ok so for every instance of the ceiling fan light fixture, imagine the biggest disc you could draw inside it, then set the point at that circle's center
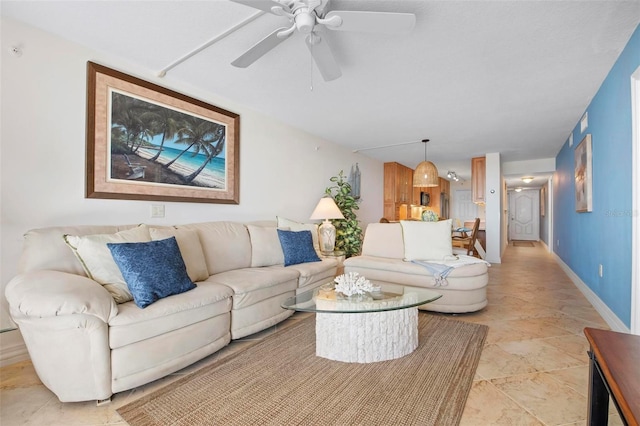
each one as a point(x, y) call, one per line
point(305, 15)
point(426, 173)
point(305, 22)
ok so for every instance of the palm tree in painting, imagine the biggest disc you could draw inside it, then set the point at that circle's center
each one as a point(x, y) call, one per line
point(127, 119)
point(212, 148)
point(145, 131)
point(204, 137)
point(165, 121)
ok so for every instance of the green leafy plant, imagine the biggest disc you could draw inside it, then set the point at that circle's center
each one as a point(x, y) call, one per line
point(348, 230)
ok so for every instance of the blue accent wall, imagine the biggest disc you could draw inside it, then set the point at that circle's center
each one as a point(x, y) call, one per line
point(586, 240)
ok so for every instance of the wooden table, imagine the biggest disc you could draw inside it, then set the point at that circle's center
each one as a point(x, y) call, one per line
point(614, 370)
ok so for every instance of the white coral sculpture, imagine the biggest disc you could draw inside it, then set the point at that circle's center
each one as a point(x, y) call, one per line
point(352, 283)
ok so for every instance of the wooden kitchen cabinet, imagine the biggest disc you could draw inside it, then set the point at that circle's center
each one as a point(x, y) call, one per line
point(400, 195)
point(398, 191)
point(478, 179)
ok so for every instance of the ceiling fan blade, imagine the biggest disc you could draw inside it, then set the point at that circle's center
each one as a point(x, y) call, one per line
point(259, 49)
point(264, 5)
point(373, 22)
point(323, 57)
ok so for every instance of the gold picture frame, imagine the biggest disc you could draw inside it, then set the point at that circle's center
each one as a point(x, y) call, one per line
point(146, 142)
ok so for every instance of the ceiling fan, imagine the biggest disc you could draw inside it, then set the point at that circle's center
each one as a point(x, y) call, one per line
point(306, 16)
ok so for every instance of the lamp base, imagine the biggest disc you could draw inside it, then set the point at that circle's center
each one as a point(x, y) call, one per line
point(327, 237)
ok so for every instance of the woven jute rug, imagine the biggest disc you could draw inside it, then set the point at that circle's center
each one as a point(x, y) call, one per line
point(280, 381)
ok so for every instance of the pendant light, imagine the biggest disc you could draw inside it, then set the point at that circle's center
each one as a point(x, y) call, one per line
point(426, 174)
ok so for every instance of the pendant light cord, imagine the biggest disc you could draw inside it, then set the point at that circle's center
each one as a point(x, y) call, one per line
point(425, 141)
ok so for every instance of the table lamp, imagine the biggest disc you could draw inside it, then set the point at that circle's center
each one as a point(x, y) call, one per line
point(325, 210)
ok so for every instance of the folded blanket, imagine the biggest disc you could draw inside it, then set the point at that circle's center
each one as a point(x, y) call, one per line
point(442, 269)
point(438, 270)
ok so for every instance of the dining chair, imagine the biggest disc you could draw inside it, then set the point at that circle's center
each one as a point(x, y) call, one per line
point(466, 245)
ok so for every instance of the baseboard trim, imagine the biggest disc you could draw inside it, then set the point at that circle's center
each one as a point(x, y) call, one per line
point(12, 352)
point(546, 247)
point(607, 314)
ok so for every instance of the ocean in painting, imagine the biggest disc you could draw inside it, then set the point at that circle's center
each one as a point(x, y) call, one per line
point(212, 176)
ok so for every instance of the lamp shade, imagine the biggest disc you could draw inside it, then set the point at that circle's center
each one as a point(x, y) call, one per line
point(426, 174)
point(326, 209)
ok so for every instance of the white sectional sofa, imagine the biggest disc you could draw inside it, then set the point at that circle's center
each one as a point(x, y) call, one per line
point(383, 262)
point(84, 345)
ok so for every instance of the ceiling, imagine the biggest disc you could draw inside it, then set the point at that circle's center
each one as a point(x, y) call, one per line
point(474, 77)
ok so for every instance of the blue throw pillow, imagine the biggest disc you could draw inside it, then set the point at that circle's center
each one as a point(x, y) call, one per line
point(152, 270)
point(297, 247)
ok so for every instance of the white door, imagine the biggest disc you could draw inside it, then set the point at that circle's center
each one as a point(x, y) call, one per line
point(524, 213)
point(464, 208)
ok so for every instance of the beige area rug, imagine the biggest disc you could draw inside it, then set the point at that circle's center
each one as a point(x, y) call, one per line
point(517, 243)
point(280, 381)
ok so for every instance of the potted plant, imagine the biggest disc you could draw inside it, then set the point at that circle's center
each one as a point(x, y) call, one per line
point(348, 230)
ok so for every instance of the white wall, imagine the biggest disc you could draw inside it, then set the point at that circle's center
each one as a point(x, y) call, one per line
point(541, 165)
point(493, 206)
point(283, 171)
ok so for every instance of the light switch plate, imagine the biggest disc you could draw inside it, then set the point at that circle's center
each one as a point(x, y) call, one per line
point(157, 210)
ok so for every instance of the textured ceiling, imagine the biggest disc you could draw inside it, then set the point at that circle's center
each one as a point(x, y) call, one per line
point(512, 77)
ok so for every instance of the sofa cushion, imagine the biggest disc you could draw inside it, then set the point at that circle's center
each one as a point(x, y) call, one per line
point(383, 240)
point(265, 246)
point(427, 240)
point(253, 285)
point(152, 270)
point(190, 249)
point(386, 270)
point(292, 225)
point(313, 272)
point(133, 324)
point(297, 247)
point(45, 248)
point(226, 245)
point(97, 261)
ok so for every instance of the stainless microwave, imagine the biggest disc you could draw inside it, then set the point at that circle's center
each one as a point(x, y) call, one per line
point(425, 198)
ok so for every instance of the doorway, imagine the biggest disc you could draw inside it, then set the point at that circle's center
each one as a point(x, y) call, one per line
point(463, 207)
point(524, 215)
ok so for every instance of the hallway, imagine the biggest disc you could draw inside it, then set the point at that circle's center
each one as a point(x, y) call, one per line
point(534, 367)
point(533, 370)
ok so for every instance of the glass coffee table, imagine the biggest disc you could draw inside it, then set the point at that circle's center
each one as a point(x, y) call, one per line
point(362, 329)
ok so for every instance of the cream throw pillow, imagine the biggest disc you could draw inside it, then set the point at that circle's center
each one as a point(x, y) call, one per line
point(190, 249)
point(265, 246)
point(291, 225)
point(96, 259)
point(427, 240)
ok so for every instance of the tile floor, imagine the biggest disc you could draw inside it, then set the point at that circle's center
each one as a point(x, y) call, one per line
point(533, 370)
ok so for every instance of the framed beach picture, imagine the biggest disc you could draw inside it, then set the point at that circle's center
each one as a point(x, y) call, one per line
point(583, 175)
point(146, 142)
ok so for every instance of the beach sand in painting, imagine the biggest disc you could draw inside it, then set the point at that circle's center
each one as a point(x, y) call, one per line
point(155, 173)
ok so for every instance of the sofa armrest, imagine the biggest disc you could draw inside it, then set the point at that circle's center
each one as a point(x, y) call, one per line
point(47, 293)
